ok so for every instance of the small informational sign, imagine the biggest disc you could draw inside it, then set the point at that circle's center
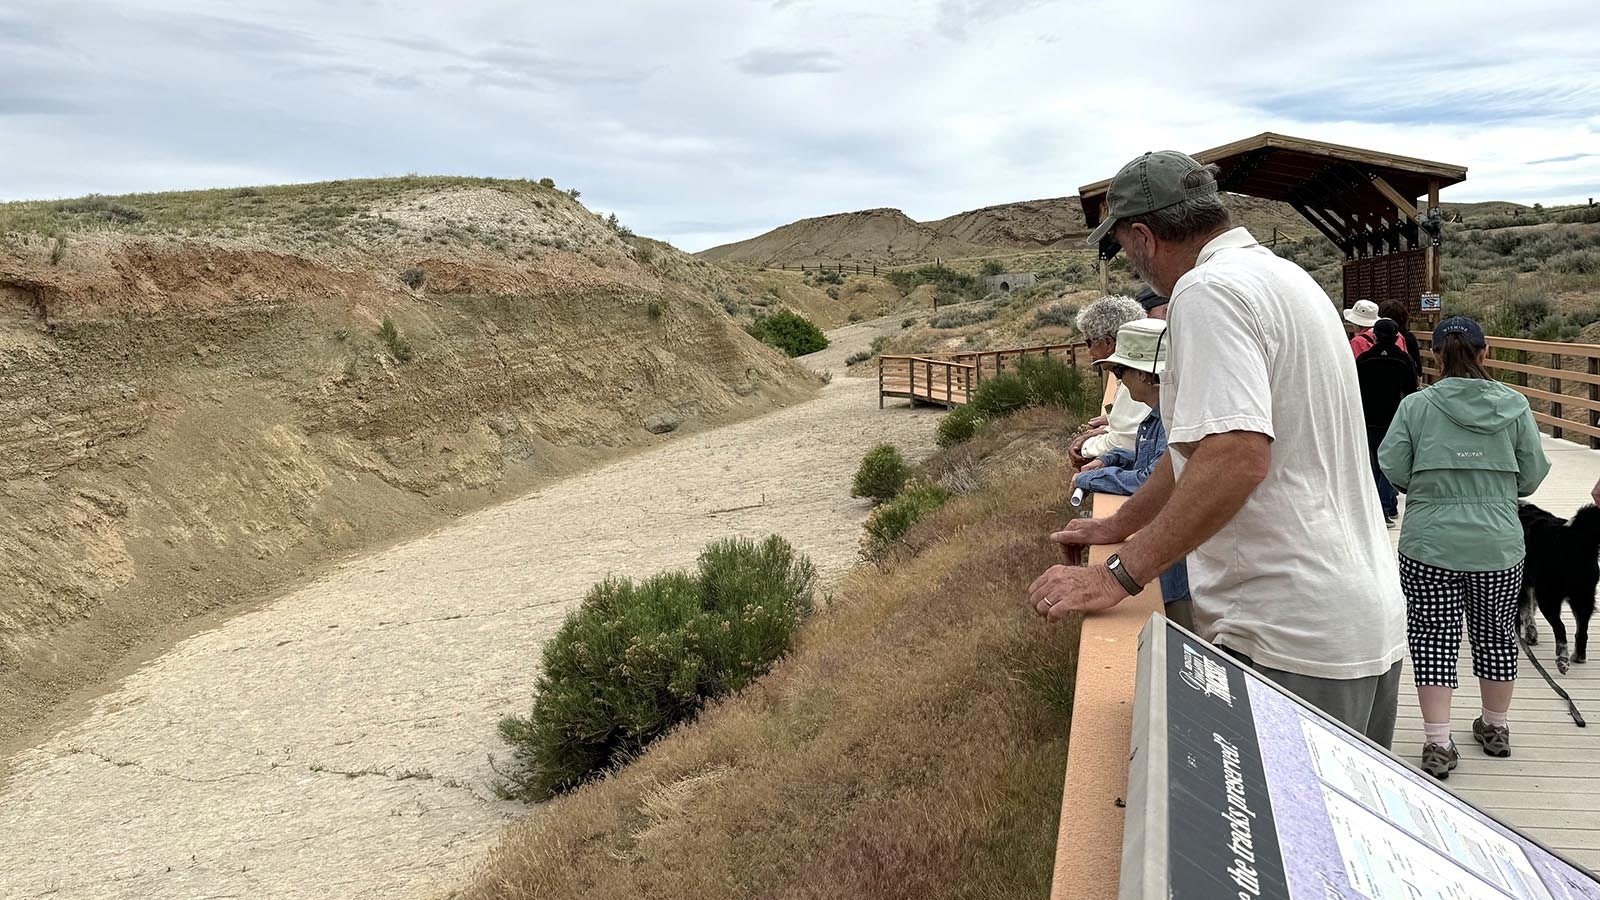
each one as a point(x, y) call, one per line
point(1430, 303)
point(1238, 791)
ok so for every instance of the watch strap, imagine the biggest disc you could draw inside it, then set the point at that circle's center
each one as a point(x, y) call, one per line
point(1120, 572)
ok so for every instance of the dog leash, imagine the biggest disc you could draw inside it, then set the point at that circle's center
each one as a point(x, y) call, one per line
point(1572, 708)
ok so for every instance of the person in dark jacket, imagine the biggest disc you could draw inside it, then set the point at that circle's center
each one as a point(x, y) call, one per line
point(1394, 309)
point(1137, 364)
point(1463, 451)
point(1387, 377)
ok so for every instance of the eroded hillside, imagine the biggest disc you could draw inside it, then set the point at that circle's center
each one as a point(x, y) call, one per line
point(204, 396)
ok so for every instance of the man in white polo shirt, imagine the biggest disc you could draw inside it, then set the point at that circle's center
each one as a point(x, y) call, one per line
point(1266, 486)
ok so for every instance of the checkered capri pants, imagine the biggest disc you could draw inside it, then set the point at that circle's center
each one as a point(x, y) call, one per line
point(1435, 601)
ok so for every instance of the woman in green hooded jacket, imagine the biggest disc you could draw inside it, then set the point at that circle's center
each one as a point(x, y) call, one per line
point(1462, 452)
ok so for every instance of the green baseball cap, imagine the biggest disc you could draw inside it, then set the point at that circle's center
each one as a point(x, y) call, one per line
point(1153, 181)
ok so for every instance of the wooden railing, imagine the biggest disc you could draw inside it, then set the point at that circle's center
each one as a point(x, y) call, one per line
point(1565, 395)
point(1089, 838)
point(950, 379)
point(926, 379)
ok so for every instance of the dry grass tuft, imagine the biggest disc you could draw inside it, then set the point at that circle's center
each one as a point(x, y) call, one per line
point(910, 747)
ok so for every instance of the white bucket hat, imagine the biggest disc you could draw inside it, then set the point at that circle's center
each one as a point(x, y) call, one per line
point(1364, 313)
point(1139, 346)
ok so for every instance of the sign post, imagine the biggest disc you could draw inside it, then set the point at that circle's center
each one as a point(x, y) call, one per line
point(1237, 790)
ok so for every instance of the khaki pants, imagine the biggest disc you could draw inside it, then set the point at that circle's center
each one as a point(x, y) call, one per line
point(1368, 705)
point(1181, 612)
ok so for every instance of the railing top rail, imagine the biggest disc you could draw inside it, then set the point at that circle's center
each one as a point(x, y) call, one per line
point(950, 363)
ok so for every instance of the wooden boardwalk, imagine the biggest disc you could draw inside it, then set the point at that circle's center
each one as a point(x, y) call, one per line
point(949, 380)
point(1550, 785)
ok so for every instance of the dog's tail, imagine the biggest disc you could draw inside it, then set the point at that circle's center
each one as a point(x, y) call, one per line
point(1586, 523)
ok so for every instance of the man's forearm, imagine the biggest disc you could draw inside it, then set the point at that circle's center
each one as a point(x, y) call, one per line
point(1141, 508)
point(1217, 481)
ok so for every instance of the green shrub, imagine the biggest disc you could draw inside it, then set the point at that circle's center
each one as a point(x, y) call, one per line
point(413, 278)
point(963, 316)
point(398, 346)
point(1589, 214)
point(958, 426)
point(1576, 262)
point(855, 317)
point(1037, 381)
point(992, 267)
point(58, 251)
point(100, 207)
point(1058, 314)
point(654, 310)
point(890, 522)
point(883, 472)
point(636, 659)
point(879, 343)
point(547, 182)
point(948, 282)
point(858, 357)
point(794, 334)
point(907, 323)
point(822, 277)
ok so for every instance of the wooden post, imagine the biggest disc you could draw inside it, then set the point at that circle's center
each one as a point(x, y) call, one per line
point(1555, 388)
point(911, 370)
point(947, 394)
point(1435, 251)
point(1522, 377)
point(880, 382)
point(1594, 395)
point(928, 371)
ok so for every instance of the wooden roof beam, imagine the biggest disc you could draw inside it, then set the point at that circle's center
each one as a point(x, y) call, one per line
point(1406, 207)
point(1327, 231)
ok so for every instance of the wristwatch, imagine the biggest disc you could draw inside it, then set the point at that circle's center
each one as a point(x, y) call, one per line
point(1120, 572)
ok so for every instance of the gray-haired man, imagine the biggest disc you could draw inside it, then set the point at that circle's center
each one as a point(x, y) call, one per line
point(1266, 485)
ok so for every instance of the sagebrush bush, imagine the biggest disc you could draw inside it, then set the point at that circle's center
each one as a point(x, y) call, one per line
point(957, 427)
point(881, 475)
point(948, 282)
point(790, 332)
point(1058, 314)
point(637, 658)
point(413, 278)
point(859, 356)
point(992, 267)
point(963, 316)
point(1037, 381)
point(398, 346)
point(907, 323)
point(890, 522)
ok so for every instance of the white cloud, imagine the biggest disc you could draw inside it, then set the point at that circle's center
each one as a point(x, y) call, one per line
point(707, 122)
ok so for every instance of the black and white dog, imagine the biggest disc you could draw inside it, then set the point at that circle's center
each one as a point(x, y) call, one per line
point(1563, 564)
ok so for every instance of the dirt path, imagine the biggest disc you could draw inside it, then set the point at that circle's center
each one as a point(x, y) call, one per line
point(333, 743)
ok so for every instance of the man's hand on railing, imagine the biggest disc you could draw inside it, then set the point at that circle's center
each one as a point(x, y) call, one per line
point(1063, 590)
point(1080, 533)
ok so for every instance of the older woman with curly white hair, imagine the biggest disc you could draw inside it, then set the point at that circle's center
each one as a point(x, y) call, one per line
point(1118, 429)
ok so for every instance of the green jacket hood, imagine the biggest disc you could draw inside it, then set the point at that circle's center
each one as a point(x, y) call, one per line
point(1484, 407)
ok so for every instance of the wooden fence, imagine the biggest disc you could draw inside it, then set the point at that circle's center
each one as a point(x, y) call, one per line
point(841, 268)
point(1565, 394)
point(951, 379)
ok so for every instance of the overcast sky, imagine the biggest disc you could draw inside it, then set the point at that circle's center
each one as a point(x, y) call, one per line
point(705, 121)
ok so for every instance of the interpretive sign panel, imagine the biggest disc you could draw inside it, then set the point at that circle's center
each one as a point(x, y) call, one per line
point(1239, 791)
